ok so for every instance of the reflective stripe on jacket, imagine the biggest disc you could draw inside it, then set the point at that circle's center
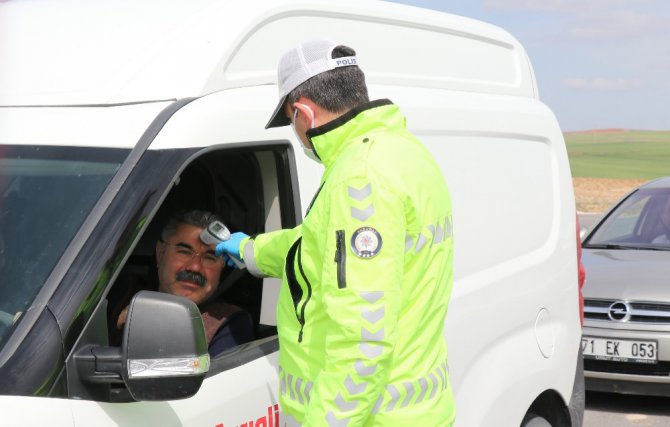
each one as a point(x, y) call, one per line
point(366, 280)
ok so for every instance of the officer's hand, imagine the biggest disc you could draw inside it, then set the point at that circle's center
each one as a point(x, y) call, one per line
point(231, 249)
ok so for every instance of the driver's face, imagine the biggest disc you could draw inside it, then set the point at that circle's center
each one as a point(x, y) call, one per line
point(181, 268)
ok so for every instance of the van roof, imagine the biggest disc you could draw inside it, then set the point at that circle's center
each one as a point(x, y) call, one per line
point(79, 52)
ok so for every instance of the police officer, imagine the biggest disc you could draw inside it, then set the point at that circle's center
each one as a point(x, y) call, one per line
point(367, 276)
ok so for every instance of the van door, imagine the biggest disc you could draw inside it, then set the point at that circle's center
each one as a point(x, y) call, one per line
point(241, 387)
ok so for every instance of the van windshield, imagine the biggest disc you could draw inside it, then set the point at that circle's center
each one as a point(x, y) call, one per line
point(45, 195)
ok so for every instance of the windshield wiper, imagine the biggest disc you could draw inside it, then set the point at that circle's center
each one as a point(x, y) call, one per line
point(633, 247)
point(654, 248)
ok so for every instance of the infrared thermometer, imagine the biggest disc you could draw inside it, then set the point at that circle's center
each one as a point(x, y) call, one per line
point(216, 233)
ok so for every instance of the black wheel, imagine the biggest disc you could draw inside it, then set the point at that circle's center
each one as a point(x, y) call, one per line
point(532, 420)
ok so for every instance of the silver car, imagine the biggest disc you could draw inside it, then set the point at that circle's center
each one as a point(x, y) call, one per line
point(626, 337)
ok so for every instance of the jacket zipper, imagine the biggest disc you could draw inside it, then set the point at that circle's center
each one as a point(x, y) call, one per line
point(340, 259)
point(301, 318)
point(294, 287)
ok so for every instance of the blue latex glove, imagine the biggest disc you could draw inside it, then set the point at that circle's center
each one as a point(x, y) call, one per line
point(230, 249)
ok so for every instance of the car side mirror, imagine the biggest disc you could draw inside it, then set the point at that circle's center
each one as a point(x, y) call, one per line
point(163, 355)
point(165, 347)
point(583, 231)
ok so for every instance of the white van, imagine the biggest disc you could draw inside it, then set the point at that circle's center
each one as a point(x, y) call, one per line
point(113, 114)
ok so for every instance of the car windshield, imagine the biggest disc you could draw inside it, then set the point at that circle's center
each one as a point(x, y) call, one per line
point(45, 195)
point(642, 221)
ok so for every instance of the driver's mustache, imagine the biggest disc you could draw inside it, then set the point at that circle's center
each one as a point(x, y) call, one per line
point(191, 276)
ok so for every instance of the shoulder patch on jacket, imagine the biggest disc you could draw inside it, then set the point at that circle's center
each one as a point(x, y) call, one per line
point(366, 242)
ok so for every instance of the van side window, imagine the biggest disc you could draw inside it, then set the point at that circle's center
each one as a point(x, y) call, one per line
point(250, 190)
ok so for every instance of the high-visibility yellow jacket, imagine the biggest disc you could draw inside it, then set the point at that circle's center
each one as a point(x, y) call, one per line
point(366, 281)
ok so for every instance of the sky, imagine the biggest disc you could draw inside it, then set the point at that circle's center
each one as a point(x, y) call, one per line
point(599, 64)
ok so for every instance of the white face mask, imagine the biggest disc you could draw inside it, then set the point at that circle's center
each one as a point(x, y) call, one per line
point(309, 152)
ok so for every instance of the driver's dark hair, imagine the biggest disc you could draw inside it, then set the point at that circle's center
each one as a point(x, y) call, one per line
point(193, 217)
point(337, 90)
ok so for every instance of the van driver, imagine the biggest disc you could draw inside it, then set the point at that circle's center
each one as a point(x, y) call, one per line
point(189, 268)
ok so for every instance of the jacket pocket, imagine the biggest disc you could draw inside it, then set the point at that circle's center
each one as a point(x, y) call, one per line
point(298, 291)
point(293, 285)
point(341, 259)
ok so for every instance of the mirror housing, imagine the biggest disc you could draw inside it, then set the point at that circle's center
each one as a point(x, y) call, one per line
point(163, 355)
point(583, 231)
point(164, 347)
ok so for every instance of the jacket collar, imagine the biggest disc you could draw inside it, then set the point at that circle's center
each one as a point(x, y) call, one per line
point(331, 138)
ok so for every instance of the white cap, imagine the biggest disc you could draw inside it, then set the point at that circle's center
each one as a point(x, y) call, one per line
point(300, 64)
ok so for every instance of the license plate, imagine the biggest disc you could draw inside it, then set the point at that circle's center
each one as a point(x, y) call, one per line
point(619, 350)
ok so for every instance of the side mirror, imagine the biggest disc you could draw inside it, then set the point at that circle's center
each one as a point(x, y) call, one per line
point(164, 351)
point(583, 231)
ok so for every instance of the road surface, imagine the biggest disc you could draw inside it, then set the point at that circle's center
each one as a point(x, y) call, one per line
point(612, 410)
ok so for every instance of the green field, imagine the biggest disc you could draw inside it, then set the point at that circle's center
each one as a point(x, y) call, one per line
point(620, 154)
